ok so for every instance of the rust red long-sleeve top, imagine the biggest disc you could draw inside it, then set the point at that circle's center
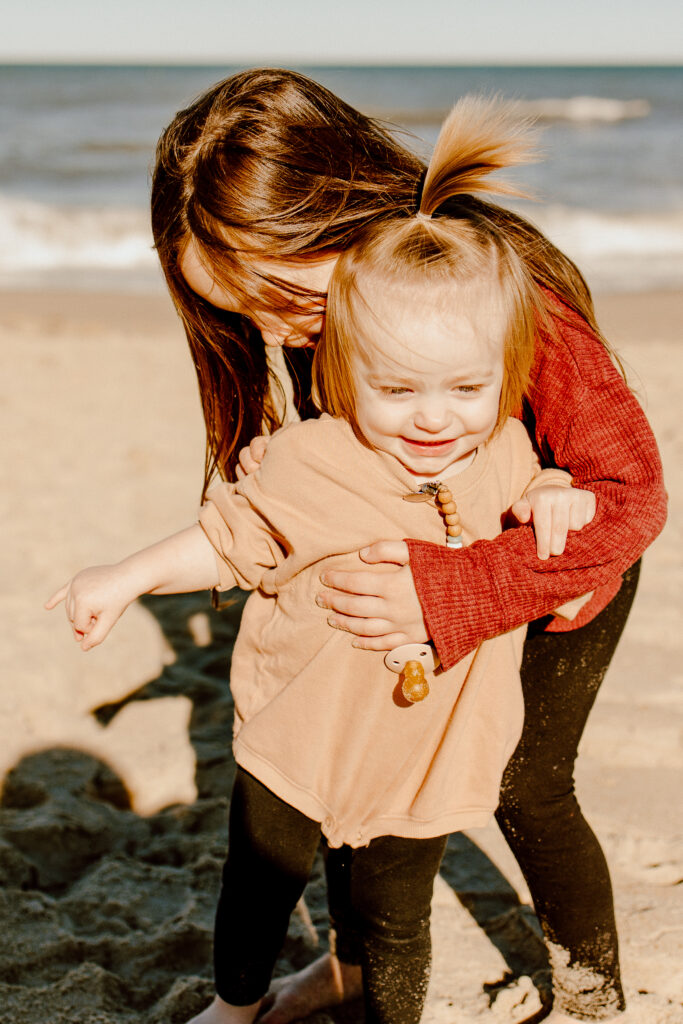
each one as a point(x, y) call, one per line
point(585, 420)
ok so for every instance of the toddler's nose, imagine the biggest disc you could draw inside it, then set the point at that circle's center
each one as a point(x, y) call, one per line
point(432, 417)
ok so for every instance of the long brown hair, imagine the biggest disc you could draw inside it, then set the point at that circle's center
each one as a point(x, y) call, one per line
point(270, 163)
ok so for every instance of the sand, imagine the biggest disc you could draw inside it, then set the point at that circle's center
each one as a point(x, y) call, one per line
point(116, 764)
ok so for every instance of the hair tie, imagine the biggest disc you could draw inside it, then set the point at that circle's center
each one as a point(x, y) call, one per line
point(419, 190)
point(425, 217)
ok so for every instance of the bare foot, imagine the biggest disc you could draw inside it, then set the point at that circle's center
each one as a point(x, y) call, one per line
point(325, 982)
point(220, 1012)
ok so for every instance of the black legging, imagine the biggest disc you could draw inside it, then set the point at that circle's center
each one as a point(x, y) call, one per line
point(540, 817)
point(271, 852)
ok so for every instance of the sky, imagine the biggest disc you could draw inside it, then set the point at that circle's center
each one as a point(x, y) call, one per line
point(343, 31)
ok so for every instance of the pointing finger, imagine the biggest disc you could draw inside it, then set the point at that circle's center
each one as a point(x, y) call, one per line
point(57, 597)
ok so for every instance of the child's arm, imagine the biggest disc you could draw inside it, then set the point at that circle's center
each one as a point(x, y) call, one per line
point(555, 507)
point(97, 597)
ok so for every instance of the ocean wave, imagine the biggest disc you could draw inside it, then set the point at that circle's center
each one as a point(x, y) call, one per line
point(605, 234)
point(586, 109)
point(573, 109)
point(42, 237)
point(618, 252)
point(42, 243)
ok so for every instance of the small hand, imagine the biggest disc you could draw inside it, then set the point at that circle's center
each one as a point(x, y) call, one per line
point(94, 600)
point(251, 457)
point(382, 608)
point(555, 511)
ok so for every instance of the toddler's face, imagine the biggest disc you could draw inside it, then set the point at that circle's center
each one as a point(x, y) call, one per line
point(428, 380)
point(294, 330)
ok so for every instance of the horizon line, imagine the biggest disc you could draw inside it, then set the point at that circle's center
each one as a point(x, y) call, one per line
point(262, 61)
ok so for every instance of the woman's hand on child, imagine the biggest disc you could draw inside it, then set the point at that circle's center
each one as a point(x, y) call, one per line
point(382, 608)
point(94, 600)
point(251, 457)
point(555, 510)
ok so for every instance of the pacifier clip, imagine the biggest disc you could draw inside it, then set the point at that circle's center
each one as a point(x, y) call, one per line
point(446, 506)
point(413, 659)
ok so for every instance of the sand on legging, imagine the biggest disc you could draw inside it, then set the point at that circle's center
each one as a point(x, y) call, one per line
point(117, 765)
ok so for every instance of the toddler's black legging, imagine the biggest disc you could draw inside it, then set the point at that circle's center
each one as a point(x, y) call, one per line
point(539, 815)
point(270, 855)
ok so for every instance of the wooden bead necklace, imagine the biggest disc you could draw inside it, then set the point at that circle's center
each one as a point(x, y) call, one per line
point(447, 507)
point(415, 686)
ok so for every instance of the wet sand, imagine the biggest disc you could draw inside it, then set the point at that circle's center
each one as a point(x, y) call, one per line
point(116, 764)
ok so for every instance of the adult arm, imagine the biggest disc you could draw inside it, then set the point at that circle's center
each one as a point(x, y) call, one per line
point(588, 422)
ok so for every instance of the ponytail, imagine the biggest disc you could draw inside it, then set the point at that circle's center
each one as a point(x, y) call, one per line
point(478, 137)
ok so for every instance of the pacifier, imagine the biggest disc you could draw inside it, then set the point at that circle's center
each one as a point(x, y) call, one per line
point(413, 661)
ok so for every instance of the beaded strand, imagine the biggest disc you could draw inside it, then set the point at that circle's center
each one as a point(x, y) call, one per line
point(449, 510)
point(445, 504)
point(415, 686)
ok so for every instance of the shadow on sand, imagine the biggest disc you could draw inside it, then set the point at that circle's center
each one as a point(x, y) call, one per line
point(107, 915)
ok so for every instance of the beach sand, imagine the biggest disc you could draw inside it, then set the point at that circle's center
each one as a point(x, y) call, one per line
point(116, 764)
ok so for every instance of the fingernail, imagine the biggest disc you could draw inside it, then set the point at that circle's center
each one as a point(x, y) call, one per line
point(323, 580)
point(320, 603)
point(332, 621)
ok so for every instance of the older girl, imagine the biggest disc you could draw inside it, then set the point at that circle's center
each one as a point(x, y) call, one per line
point(259, 186)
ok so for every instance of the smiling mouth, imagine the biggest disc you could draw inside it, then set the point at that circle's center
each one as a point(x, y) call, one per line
point(429, 445)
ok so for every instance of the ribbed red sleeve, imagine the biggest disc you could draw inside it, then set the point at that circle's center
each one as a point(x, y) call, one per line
point(586, 421)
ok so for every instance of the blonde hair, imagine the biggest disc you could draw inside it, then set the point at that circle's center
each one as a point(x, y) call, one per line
point(440, 254)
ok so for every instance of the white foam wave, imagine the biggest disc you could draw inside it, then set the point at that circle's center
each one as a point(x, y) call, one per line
point(83, 247)
point(39, 239)
point(574, 109)
point(586, 109)
point(617, 251)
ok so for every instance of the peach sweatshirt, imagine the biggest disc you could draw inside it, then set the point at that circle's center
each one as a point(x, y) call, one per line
point(323, 724)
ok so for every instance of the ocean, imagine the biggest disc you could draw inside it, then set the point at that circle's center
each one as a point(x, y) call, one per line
point(77, 144)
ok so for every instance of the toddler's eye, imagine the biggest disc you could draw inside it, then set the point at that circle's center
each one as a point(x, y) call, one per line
point(395, 391)
point(468, 389)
